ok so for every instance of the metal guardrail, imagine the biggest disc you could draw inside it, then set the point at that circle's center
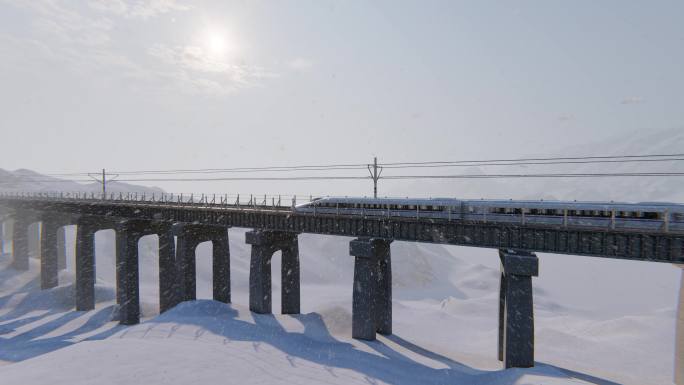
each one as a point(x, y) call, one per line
point(218, 200)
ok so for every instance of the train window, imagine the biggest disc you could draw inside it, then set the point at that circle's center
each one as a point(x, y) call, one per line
point(652, 215)
point(678, 217)
point(424, 208)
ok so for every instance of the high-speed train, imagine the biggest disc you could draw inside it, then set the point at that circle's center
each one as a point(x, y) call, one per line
point(650, 215)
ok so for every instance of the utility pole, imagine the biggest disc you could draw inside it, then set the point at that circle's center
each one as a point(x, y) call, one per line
point(102, 181)
point(375, 175)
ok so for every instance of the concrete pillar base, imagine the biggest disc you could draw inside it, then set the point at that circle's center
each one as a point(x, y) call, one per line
point(516, 313)
point(372, 294)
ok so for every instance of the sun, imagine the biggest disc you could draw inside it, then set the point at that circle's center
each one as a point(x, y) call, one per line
point(216, 42)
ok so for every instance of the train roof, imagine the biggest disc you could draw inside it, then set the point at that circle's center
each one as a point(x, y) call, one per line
point(394, 200)
point(579, 205)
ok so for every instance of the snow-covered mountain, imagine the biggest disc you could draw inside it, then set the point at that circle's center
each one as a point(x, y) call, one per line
point(23, 180)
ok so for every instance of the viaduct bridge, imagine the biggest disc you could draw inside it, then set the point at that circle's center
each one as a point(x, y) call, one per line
point(182, 225)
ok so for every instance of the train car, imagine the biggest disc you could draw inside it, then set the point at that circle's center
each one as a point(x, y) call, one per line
point(652, 216)
point(614, 215)
point(401, 207)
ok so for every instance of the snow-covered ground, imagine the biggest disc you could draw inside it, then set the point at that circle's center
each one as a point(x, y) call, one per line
point(597, 321)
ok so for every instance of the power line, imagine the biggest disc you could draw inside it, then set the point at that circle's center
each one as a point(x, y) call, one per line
point(617, 157)
point(393, 177)
point(400, 165)
point(535, 163)
point(558, 175)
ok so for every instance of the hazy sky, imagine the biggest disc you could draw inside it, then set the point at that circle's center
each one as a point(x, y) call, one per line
point(173, 84)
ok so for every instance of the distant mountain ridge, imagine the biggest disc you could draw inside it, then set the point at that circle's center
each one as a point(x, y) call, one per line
point(23, 180)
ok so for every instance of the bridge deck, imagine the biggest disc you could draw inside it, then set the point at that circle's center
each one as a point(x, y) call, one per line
point(645, 245)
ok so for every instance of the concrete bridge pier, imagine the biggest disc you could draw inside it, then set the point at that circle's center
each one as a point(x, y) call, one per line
point(85, 259)
point(516, 315)
point(264, 244)
point(20, 239)
point(85, 266)
point(128, 234)
point(679, 333)
point(49, 267)
point(372, 294)
point(191, 235)
point(51, 224)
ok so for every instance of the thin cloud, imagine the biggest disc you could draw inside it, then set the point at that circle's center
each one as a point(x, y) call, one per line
point(64, 34)
point(192, 65)
point(138, 9)
point(632, 100)
point(300, 64)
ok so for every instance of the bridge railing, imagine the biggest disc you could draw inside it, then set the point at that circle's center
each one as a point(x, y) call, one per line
point(198, 199)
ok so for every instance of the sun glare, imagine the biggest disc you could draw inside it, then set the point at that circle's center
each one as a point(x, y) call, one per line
point(216, 42)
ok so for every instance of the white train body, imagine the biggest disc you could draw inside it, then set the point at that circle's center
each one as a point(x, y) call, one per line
point(666, 217)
